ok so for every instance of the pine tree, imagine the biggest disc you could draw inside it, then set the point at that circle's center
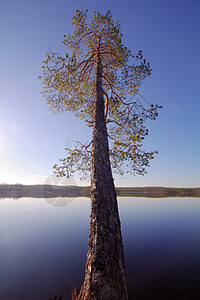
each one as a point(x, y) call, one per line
point(97, 80)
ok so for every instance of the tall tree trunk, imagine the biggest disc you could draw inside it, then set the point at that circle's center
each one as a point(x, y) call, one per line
point(105, 269)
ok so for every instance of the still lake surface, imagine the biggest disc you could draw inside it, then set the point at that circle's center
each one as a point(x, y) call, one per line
point(43, 247)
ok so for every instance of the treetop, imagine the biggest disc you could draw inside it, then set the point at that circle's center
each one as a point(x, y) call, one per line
point(69, 84)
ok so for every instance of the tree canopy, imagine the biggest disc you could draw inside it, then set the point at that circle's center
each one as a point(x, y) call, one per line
point(69, 85)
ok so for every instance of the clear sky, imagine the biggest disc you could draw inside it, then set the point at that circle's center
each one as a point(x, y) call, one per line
point(32, 139)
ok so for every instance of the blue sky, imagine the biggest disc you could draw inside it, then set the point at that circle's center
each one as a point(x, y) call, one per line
point(32, 139)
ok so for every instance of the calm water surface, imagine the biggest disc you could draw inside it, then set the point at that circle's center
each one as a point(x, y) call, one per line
point(43, 248)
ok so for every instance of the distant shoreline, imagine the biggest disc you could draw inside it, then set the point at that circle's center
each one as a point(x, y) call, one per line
point(51, 191)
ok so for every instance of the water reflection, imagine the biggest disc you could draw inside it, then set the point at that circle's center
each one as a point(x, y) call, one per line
point(43, 248)
point(162, 247)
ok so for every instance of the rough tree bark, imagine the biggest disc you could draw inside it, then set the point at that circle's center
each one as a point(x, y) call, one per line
point(105, 268)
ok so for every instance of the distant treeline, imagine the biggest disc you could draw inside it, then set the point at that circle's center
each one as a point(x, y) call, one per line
point(49, 191)
point(159, 192)
point(39, 191)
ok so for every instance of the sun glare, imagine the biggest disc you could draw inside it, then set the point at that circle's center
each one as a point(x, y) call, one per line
point(2, 143)
point(15, 177)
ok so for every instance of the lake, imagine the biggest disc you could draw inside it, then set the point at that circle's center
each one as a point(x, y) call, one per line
point(43, 247)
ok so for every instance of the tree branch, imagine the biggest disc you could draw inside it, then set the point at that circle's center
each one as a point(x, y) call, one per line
point(124, 66)
point(106, 104)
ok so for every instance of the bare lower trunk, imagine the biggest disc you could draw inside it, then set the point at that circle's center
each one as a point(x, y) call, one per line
point(105, 269)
